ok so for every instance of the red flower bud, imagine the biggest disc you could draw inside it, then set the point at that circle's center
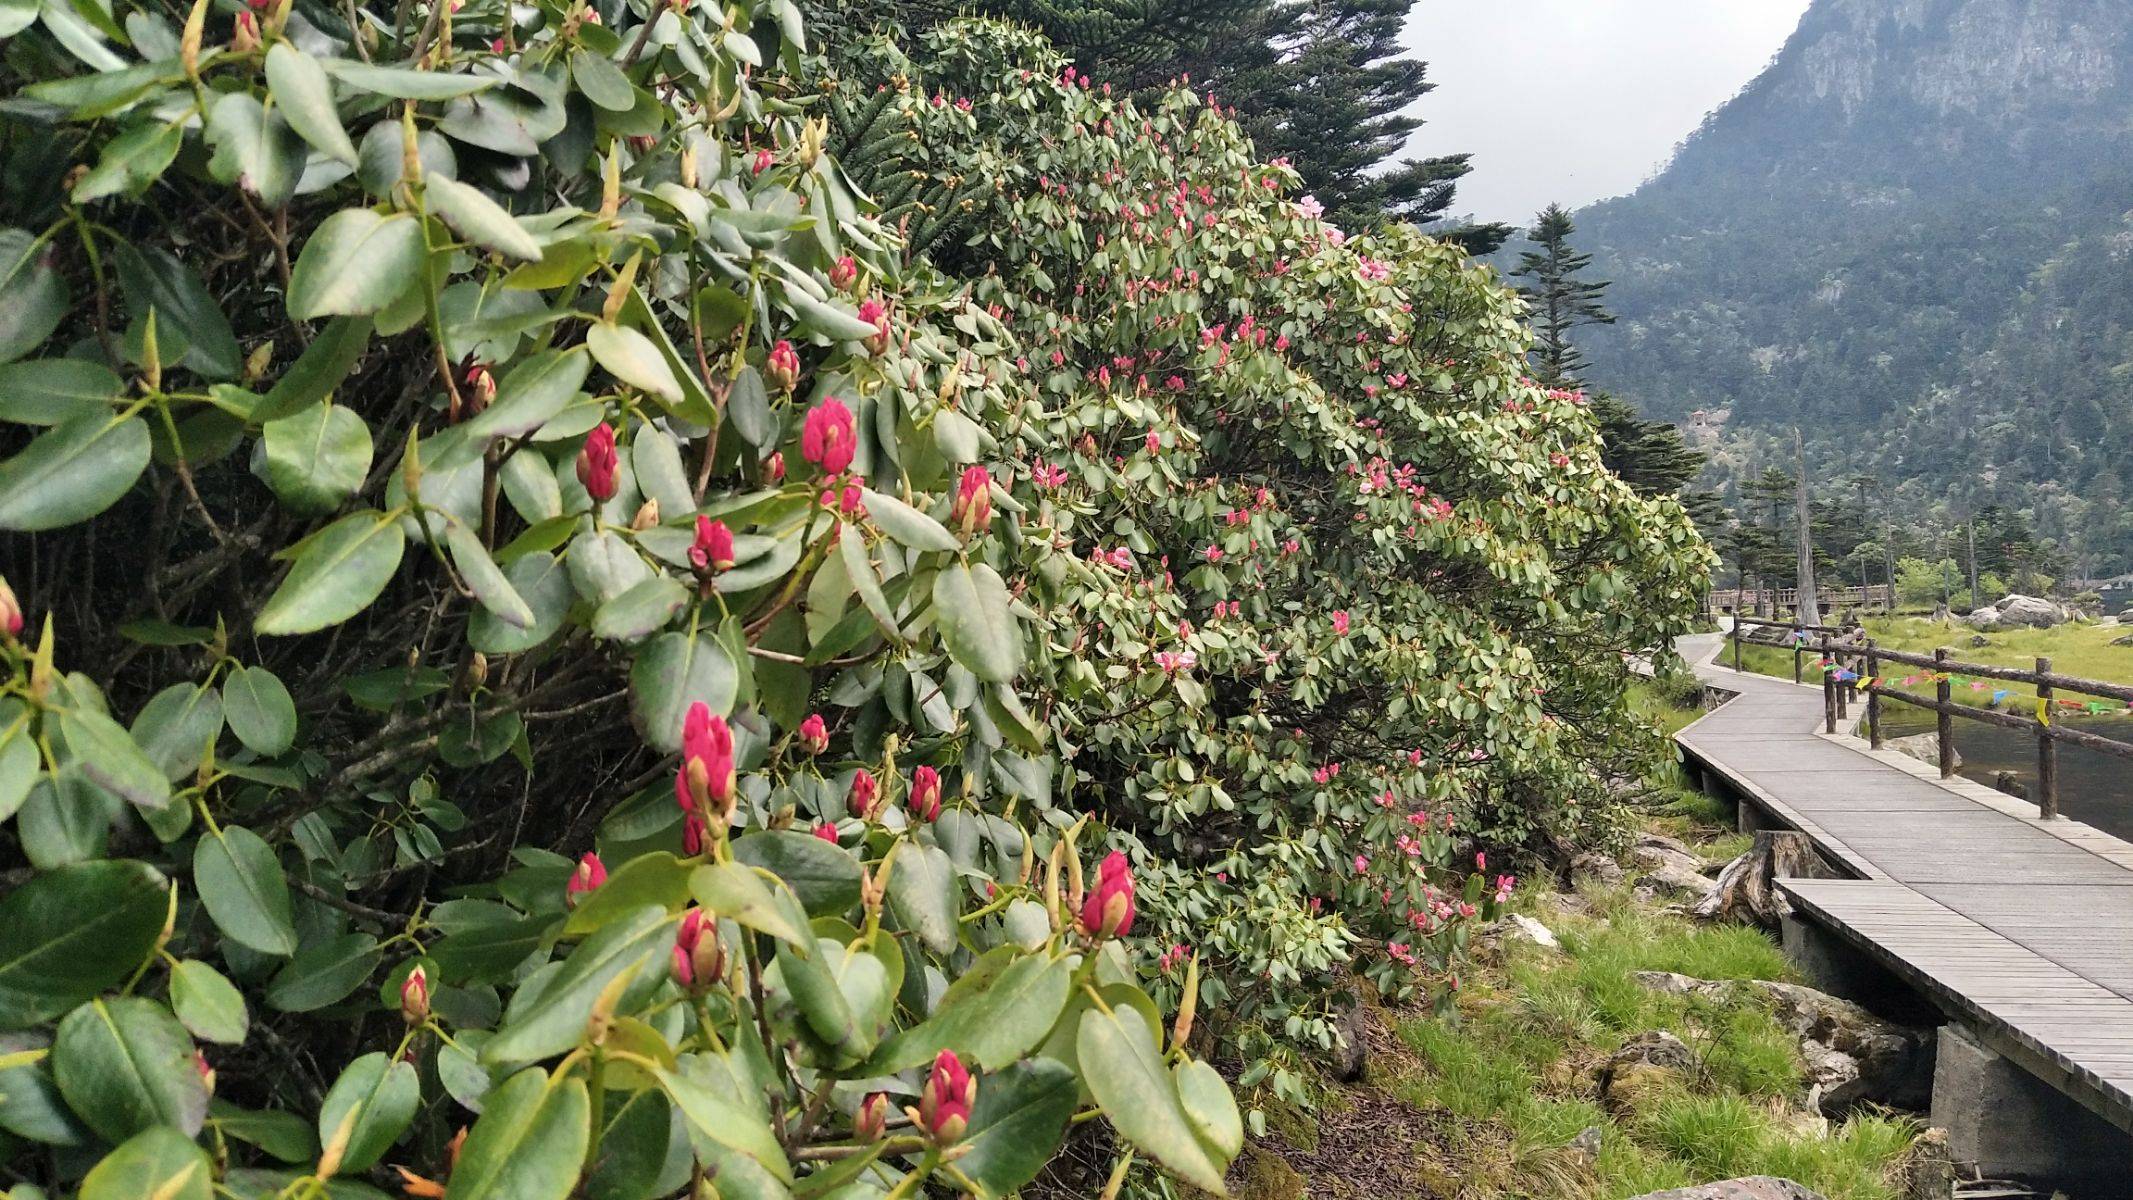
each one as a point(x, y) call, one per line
point(10, 612)
point(763, 161)
point(872, 1119)
point(1108, 910)
point(783, 366)
point(699, 957)
point(415, 997)
point(774, 467)
point(814, 735)
point(827, 438)
point(827, 832)
point(207, 1073)
point(481, 386)
point(704, 783)
point(874, 313)
point(591, 873)
point(713, 549)
point(863, 795)
point(944, 1104)
point(925, 802)
point(973, 502)
point(596, 463)
point(844, 273)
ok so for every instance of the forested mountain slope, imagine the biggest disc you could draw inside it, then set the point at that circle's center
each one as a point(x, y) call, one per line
point(1909, 234)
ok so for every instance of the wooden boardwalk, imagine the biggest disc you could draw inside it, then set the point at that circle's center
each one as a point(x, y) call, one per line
point(2018, 927)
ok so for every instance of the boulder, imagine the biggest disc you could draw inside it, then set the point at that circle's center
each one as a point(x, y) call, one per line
point(1665, 866)
point(1351, 1056)
point(1852, 1056)
point(1925, 747)
point(1647, 1065)
point(1749, 1187)
point(2019, 612)
point(1602, 869)
point(1518, 927)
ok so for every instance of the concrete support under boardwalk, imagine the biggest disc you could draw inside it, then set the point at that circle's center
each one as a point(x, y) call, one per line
point(2013, 1125)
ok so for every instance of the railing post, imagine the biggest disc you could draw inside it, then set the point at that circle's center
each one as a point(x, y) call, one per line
point(1873, 702)
point(1829, 691)
point(2047, 746)
point(1799, 646)
point(1844, 691)
point(1945, 727)
point(1736, 639)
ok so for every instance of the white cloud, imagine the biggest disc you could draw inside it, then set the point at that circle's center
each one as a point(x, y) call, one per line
point(1576, 100)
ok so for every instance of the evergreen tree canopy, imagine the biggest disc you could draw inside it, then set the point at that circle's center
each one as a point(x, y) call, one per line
point(1561, 301)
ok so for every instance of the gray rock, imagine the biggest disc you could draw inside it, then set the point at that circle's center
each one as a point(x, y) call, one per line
point(1589, 1140)
point(1925, 747)
point(1750, 1187)
point(2019, 612)
point(1603, 870)
point(1351, 1058)
point(1520, 927)
point(1656, 1048)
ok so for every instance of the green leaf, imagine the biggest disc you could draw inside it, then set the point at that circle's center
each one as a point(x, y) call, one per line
point(859, 567)
point(970, 606)
point(337, 573)
point(553, 1020)
point(255, 149)
point(70, 932)
point(1211, 1108)
point(284, 1135)
point(957, 437)
point(47, 391)
point(241, 882)
point(402, 83)
point(106, 753)
point(302, 91)
point(632, 358)
point(125, 1065)
point(176, 727)
point(828, 317)
point(367, 1110)
point(541, 580)
point(724, 1123)
point(155, 279)
point(20, 761)
point(158, 1163)
point(842, 993)
point(72, 471)
point(207, 1003)
point(16, 16)
point(33, 294)
point(1017, 1124)
point(317, 458)
point(479, 219)
point(130, 162)
point(908, 525)
point(602, 81)
point(748, 408)
point(641, 611)
point(756, 899)
point(673, 671)
point(487, 580)
point(355, 264)
point(530, 394)
point(529, 1143)
point(922, 895)
point(657, 880)
point(318, 370)
point(660, 474)
point(1123, 1068)
point(323, 973)
point(824, 877)
point(991, 1026)
point(259, 710)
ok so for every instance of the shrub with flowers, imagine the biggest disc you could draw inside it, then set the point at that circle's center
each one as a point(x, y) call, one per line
point(509, 684)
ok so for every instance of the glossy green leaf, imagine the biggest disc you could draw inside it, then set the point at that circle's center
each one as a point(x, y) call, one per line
point(72, 471)
point(367, 1109)
point(554, 1020)
point(542, 582)
point(757, 900)
point(106, 753)
point(68, 933)
point(336, 574)
point(323, 973)
point(47, 391)
point(158, 1163)
point(20, 760)
point(175, 729)
point(632, 358)
point(318, 370)
point(1211, 1108)
point(922, 894)
point(284, 1135)
point(1123, 1068)
point(529, 1143)
point(260, 712)
point(402, 83)
point(661, 476)
point(673, 671)
point(1017, 1124)
point(255, 148)
point(657, 880)
point(725, 1122)
point(131, 162)
point(491, 587)
point(641, 611)
point(355, 264)
point(125, 1065)
point(823, 876)
point(317, 458)
point(990, 1026)
point(241, 882)
point(480, 220)
point(908, 525)
point(33, 294)
point(304, 94)
point(970, 606)
point(207, 1003)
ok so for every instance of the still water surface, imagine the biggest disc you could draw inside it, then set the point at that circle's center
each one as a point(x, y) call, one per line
point(2093, 788)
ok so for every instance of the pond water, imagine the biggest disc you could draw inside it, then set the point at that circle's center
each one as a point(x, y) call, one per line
point(2093, 788)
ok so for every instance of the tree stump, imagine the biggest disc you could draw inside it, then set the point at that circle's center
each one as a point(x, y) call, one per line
point(1747, 890)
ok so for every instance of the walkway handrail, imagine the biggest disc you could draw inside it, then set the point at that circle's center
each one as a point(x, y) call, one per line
point(1839, 680)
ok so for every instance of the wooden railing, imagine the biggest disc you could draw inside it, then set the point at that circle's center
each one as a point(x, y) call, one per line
point(1875, 595)
point(1855, 661)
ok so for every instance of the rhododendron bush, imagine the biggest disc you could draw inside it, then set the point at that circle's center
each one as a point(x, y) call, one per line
point(630, 609)
point(509, 687)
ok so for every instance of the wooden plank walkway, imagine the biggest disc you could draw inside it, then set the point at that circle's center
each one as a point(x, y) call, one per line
point(2021, 927)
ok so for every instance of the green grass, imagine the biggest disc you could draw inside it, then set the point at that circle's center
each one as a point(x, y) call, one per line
point(1653, 703)
point(2078, 648)
point(1535, 1025)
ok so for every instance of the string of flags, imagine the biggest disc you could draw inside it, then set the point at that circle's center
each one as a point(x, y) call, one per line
point(2093, 708)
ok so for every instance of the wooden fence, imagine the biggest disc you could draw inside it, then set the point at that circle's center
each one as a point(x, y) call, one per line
point(1855, 664)
point(1771, 600)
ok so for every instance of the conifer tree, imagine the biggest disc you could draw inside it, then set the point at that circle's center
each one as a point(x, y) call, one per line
point(1561, 301)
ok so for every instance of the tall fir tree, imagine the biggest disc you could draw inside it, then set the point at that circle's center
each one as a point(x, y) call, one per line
point(1561, 301)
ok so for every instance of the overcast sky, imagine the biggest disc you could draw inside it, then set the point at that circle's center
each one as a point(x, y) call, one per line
point(1576, 100)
